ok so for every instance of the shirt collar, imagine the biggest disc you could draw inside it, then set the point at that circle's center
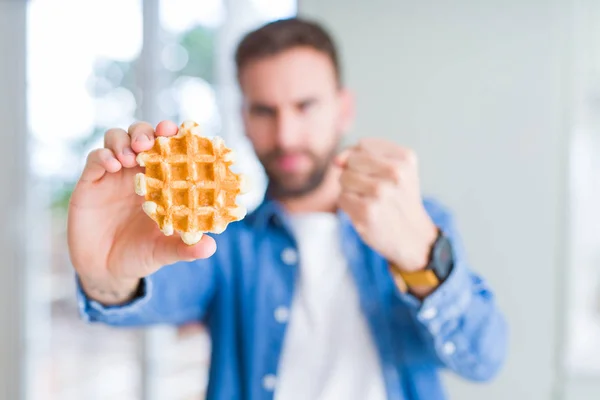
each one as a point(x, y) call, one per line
point(270, 210)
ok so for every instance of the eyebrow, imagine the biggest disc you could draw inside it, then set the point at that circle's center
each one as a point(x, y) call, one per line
point(258, 106)
point(255, 107)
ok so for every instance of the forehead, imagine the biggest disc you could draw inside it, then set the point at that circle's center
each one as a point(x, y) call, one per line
point(289, 76)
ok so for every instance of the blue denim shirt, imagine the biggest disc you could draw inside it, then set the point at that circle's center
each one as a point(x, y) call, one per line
point(236, 292)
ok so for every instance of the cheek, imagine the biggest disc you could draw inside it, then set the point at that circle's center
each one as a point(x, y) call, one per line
point(322, 134)
point(260, 133)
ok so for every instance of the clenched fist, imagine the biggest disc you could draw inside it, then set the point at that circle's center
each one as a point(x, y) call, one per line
point(381, 194)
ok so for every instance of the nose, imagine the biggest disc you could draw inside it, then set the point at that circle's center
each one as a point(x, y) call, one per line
point(288, 130)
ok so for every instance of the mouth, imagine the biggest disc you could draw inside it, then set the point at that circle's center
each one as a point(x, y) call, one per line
point(292, 162)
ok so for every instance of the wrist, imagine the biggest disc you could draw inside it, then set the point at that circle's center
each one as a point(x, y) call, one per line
point(108, 290)
point(420, 255)
point(422, 282)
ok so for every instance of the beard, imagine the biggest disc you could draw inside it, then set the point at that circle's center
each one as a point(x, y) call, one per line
point(284, 185)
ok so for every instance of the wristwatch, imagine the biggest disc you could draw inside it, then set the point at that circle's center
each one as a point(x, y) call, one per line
point(439, 267)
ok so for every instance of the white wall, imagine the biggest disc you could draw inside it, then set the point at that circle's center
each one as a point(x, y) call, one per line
point(481, 89)
point(12, 197)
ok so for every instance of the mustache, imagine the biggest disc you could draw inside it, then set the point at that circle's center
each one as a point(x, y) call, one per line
point(278, 152)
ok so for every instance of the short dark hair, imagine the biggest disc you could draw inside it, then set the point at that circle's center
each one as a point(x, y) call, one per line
point(285, 34)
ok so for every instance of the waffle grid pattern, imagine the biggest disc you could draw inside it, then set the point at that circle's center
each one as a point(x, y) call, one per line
point(188, 186)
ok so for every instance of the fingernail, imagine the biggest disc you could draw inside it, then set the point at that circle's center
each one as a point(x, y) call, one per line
point(128, 152)
point(142, 139)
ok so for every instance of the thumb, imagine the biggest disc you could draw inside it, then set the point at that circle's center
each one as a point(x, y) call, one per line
point(341, 159)
point(171, 249)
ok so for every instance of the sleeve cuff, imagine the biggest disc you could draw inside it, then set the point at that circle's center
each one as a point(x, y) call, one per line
point(93, 311)
point(449, 301)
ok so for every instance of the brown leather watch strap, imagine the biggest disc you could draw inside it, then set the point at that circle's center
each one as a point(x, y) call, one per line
point(400, 283)
point(420, 278)
point(405, 280)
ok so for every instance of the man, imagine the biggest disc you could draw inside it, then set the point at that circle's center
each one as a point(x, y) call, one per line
point(343, 284)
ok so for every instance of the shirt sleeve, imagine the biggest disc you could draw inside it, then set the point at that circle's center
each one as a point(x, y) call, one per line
point(175, 294)
point(460, 319)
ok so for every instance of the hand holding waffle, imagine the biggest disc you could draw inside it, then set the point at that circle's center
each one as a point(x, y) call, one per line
point(112, 241)
point(381, 195)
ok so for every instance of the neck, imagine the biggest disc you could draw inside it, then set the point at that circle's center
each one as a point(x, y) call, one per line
point(323, 199)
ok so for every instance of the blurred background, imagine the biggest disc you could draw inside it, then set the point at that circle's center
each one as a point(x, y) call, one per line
point(500, 98)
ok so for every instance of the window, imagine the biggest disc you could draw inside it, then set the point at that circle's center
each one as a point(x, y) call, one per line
point(88, 70)
point(582, 358)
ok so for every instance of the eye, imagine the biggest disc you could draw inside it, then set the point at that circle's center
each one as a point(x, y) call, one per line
point(306, 106)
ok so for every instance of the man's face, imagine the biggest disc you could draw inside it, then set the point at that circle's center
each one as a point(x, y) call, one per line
point(294, 114)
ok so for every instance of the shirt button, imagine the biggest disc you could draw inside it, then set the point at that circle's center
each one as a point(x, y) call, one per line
point(429, 313)
point(269, 382)
point(282, 314)
point(449, 348)
point(289, 256)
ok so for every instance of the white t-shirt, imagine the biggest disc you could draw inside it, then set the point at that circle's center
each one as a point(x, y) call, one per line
point(328, 351)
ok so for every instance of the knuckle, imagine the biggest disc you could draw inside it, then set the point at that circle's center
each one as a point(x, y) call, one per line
point(113, 136)
point(133, 126)
point(137, 127)
point(410, 157)
point(94, 156)
point(350, 154)
point(357, 159)
point(94, 153)
point(365, 143)
point(394, 171)
point(353, 163)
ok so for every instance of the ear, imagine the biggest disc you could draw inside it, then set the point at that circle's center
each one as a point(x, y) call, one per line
point(347, 110)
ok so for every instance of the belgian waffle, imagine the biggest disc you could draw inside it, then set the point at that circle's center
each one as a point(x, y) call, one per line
point(188, 186)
